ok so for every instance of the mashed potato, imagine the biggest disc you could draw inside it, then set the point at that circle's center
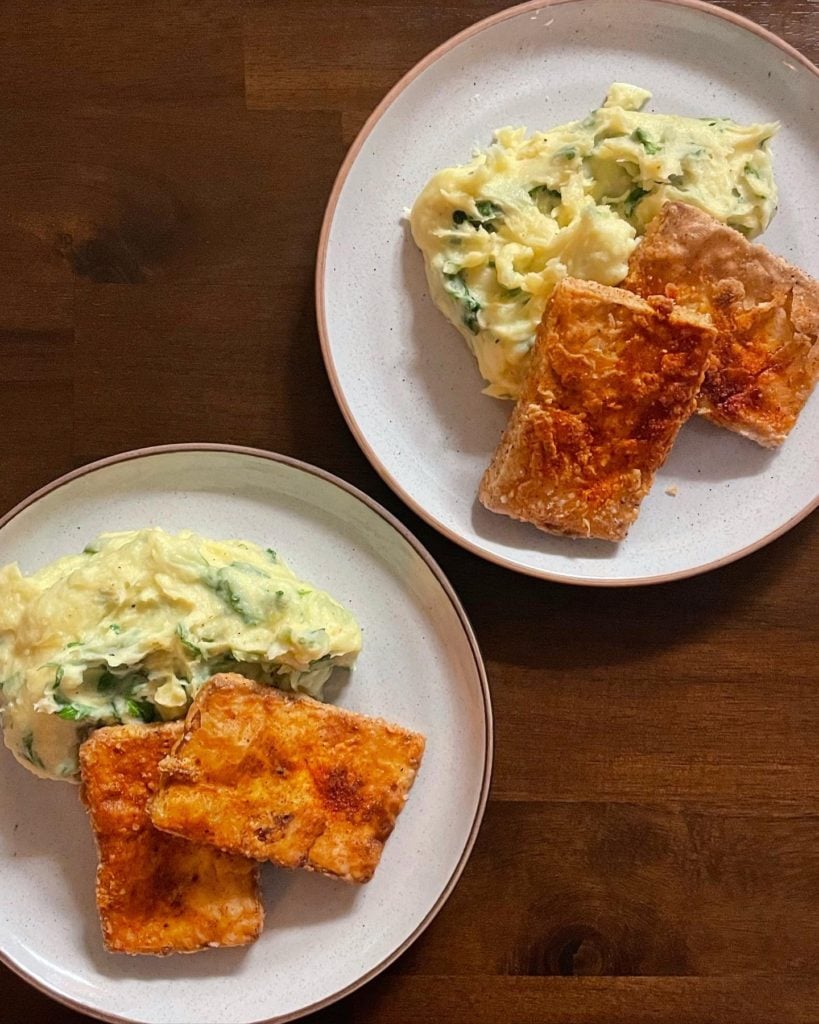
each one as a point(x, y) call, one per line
point(128, 631)
point(498, 233)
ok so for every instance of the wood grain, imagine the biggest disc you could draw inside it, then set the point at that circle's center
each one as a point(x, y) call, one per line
point(651, 848)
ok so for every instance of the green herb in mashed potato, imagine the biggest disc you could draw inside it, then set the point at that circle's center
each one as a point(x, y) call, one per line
point(157, 616)
point(499, 232)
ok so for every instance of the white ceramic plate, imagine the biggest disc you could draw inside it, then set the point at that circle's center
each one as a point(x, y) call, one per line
point(407, 385)
point(420, 666)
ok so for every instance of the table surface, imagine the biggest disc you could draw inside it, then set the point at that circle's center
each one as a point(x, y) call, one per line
point(650, 852)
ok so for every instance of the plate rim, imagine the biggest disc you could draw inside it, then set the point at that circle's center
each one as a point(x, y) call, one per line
point(480, 667)
point(739, 21)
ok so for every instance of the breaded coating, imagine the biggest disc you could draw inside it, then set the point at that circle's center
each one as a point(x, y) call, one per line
point(765, 362)
point(285, 778)
point(612, 379)
point(156, 893)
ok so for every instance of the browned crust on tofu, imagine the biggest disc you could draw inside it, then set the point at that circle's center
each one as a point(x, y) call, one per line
point(157, 893)
point(765, 361)
point(612, 379)
point(285, 778)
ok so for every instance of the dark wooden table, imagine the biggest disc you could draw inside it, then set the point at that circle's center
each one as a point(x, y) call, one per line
point(650, 852)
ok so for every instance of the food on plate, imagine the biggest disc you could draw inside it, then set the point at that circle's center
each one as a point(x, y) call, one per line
point(128, 631)
point(765, 362)
point(156, 893)
point(612, 379)
point(499, 232)
point(282, 777)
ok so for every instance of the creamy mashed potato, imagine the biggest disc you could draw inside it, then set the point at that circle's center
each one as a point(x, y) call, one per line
point(128, 631)
point(498, 233)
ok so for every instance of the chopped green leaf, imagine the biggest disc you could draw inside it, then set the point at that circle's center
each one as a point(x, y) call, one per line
point(91, 549)
point(752, 171)
point(74, 712)
point(566, 153)
point(456, 286)
point(648, 145)
point(141, 709)
point(29, 752)
point(187, 643)
point(487, 213)
point(676, 180)
point(272, 554)
point(633, 199)
point(106, 682)
point(487, 209)
point(226, 590)
point(544, 190)
point(74, 643)
point(115, 628)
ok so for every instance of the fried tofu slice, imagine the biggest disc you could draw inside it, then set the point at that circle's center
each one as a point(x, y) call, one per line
point(766, 357)
point(157, 893)
point(611, 381)
point(285, 778)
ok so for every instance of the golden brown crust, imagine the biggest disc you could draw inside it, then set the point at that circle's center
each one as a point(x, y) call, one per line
point(765, 361)
point(156, 893)
point(285, 778)
point(611, 381)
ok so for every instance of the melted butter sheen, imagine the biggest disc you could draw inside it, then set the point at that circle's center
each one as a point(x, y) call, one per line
point(129, 630)
point(498, 233)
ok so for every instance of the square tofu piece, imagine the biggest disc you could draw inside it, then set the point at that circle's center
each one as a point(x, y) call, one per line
point(765, 361)
point(611, 381)
point(285, 778)
point(156, 893)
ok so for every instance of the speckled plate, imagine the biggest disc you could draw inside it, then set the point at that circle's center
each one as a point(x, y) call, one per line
point(420, 666)
point(405, 381)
